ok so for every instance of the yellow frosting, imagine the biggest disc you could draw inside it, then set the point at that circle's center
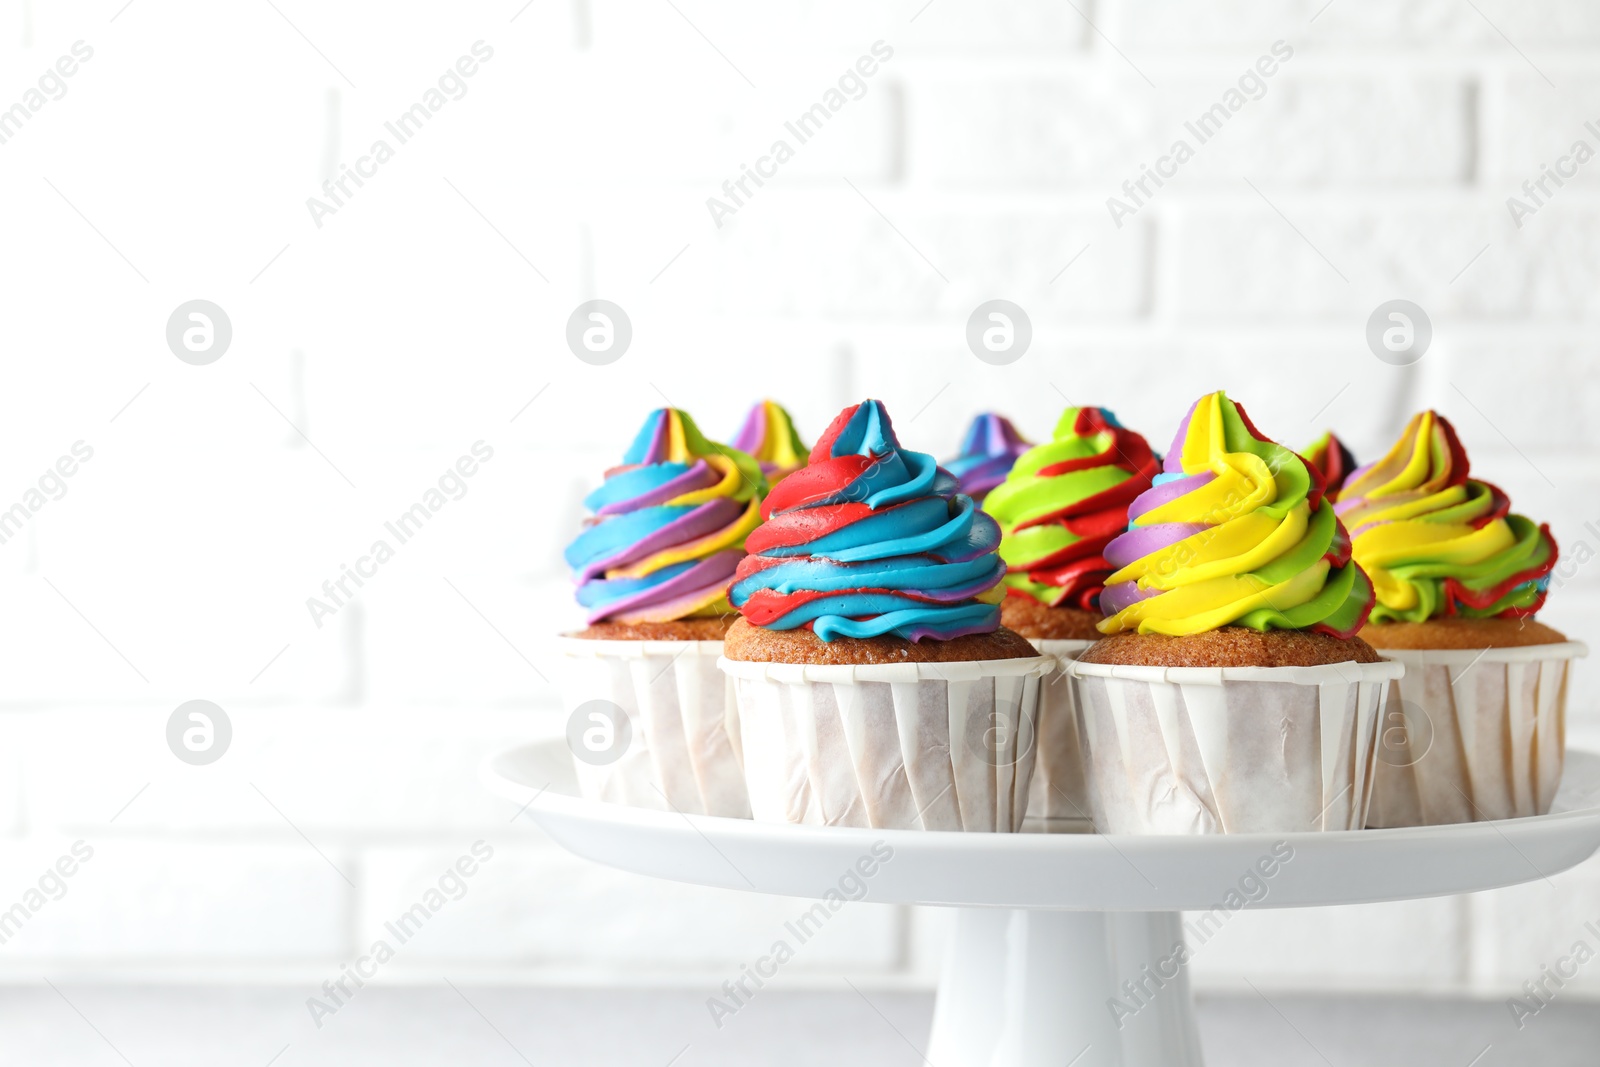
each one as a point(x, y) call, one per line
point(1437, 542)
point(1246, 539)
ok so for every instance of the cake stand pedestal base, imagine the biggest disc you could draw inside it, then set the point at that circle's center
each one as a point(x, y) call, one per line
point(1068, 948)
point(1036, 988)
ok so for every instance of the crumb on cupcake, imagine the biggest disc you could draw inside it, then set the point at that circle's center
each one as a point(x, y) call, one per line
point(1041, 622)
point(760, 645)
point(708, 629)
point(1462, 633)
point(1230, 646)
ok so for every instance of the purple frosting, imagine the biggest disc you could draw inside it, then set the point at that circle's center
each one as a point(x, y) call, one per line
point(1173, 464)
point(1140, 542)
point(989, 449)
point(702, 521)
point(699, 476)
point(1166, 493)
point(714, 571)
point(1116, 597)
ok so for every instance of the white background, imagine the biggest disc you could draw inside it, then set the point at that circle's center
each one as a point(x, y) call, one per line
point(428, 313)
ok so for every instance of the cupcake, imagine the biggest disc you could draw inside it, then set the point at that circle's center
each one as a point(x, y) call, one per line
point(768, 435)
point(988, 449)
point(1477, 726)
point(1332, 460)
point(1060, 506)
point(1230, 694)
point(875, 684)
point(651, 719)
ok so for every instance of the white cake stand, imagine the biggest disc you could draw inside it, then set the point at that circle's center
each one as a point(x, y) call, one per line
point(1054, 928)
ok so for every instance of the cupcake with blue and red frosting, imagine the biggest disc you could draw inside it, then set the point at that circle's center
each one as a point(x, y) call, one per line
point(870, 554)
point(652, 567)
point(989, 448)
point(875, 683)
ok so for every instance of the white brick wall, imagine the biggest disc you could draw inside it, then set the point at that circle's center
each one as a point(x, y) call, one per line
point(427, 312)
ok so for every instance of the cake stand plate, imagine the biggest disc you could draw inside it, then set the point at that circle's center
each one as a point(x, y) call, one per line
point(1066, 944)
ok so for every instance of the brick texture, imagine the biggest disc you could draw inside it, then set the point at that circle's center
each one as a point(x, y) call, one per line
point(428, 313)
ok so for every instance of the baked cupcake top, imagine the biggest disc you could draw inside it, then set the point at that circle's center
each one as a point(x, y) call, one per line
point(1438, 543)
point(989, 448)
point(668, 526)
point(871, 539)
point(1063, 503)
point(1332, 460)
point(1236, 531)
point(768, 434)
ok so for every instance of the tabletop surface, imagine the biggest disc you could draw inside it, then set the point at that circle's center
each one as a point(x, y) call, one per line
point(470, 1024)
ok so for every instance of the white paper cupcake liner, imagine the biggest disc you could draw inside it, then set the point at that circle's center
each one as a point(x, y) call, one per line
point(1058, 798)
point(681, 751)
point(905, 746)
point(1207, 750)
point(1472, 734)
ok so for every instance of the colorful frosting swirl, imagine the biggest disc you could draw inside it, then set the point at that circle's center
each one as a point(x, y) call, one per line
point(988, 450)
point(1332, 460)
point(871, 539)
point(1064, 502)
point(669, 526)
point(1437, 542)
point(1235, 532)
point(768, 434)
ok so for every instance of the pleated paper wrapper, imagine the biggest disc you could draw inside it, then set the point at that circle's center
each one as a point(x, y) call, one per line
point(1210, 750)
point(1058, 798)
point(904, 746)
point(1473, 734)
point(683, 752)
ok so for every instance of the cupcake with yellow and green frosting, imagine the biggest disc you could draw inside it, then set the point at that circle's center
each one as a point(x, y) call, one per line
point(1230, 693)
point(1441, 545)
point(1232, 551)
point(1458, 578)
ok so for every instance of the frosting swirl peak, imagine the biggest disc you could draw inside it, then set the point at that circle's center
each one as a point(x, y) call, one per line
point(1063, 503)
point(1332, 460)
point(1437, 542)
point(668, 526)
point(768, 434)
point(1235, 532)
point(871, 539)
point(988, 449)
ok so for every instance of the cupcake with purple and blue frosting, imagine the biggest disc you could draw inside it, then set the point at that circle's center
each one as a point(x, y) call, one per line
point(989, 449)
point(667, 534)
point(651, 720)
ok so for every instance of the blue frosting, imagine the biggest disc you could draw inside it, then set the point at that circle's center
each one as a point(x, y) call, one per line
point(912, 567)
